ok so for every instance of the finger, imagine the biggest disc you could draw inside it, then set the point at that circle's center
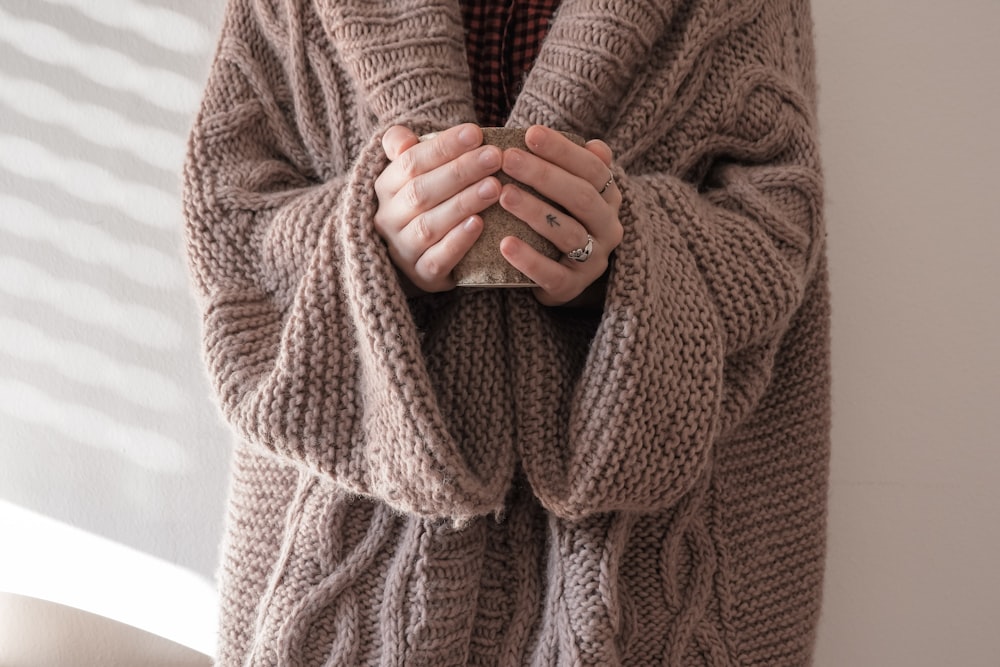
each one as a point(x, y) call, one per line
point(557, 282)
point(553, 147)
point(430, 227)
point(557, 226)
point(432, 271)
point(424, 156)
point(427, 191)
point(397, 139)
point(601, 150)
point(568, 190)
point(609, 190)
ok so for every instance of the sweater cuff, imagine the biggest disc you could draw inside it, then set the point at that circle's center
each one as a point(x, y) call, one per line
point(458, 467)
point(644, 408)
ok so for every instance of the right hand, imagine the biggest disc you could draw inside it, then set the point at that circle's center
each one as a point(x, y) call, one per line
point(429, 199)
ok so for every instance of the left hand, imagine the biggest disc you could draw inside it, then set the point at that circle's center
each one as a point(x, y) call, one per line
point(572, 176)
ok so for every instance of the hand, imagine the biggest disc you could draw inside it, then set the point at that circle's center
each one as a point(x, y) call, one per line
point(429, 200)
point(573, 177)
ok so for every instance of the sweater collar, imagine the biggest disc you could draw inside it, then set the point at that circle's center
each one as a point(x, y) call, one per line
point(408, 60)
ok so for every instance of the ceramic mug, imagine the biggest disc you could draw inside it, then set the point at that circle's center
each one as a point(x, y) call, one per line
point(483, 265)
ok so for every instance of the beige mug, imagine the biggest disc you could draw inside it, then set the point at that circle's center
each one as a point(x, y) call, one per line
point(483, 265)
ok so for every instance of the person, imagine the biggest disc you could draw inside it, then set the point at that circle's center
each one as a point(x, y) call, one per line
point(625, 465)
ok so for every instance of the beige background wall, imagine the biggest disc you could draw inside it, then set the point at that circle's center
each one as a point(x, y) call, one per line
point(112, 461)
point(909, 113)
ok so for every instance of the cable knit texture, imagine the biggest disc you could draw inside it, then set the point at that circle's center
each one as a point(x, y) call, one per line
point(475, 479)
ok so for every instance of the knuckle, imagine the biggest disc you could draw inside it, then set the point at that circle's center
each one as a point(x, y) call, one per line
point(440, 150)
point(455, 170)
point(543, 175)
point(463, 205)
point(414, 193)
point(469, 203)
point(580, 200)
point(550, 285)
point(432, 270)
point(421, 230)
point(408, 164)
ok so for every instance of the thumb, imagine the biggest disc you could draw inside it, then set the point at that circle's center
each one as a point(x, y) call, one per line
point(397, 140)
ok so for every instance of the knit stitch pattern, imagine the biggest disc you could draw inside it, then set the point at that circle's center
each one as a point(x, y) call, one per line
point(472, 478)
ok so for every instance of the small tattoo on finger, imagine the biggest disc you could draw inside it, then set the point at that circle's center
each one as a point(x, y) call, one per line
point(551, 219)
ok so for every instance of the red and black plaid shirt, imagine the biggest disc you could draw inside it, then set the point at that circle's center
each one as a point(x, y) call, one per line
point(502, 38)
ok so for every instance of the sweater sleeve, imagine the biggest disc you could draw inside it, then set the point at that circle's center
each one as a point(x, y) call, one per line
point(716, 261)
point(303, 370)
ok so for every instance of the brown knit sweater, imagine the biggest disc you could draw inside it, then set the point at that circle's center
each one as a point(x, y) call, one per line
point(475, 479)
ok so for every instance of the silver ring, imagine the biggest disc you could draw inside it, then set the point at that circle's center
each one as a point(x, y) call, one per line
point(582, 254)
point(611, 179)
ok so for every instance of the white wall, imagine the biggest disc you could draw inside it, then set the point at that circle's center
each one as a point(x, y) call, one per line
point(112, 459)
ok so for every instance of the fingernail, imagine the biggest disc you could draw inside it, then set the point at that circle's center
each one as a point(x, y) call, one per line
point(537, 135)
point(513, 158)
point(490, 158)
point(511, 195)
point(468, 136)
point(470, 224)
point(487, 190)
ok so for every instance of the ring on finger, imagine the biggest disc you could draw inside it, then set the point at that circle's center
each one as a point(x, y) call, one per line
point(582, 254)
point(611, 179)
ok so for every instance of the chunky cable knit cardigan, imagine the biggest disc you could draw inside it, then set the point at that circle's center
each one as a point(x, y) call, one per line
point(473, 478)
